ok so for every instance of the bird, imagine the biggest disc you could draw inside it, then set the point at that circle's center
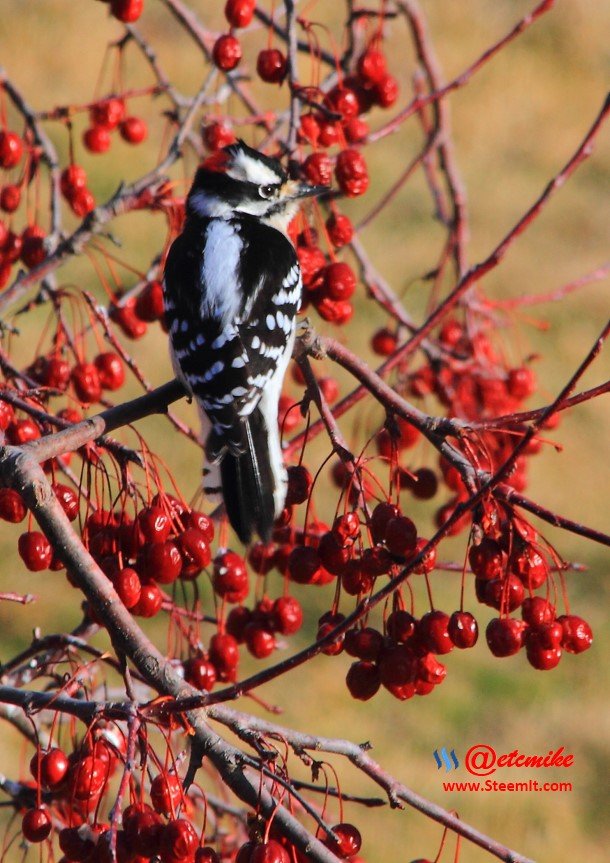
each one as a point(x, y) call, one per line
point(232, 290)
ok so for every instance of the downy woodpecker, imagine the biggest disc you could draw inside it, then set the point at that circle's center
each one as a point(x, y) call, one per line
point(232, 290)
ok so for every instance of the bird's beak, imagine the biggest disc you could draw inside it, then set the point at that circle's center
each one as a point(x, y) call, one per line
point(297, 189)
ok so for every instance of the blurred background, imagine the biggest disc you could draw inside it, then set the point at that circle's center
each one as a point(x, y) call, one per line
point(515, 125)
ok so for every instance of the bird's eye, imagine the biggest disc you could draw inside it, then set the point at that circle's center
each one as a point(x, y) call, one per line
point(267, 191)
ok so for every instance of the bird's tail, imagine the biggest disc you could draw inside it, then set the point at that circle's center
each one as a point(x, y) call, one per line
point(254, 480)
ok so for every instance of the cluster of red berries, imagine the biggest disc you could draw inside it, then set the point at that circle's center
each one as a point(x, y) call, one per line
point(74, 786)
point(506, 576)
point(271, 63)
point(328, 287)
point(134, 313)
point(88, 379)
point(26, 247)
point(107, 115)
point(11, 153)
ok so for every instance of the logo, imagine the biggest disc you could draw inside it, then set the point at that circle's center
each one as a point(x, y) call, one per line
point(450, 763)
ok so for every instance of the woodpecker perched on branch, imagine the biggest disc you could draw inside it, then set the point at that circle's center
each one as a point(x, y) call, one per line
point(232, 291)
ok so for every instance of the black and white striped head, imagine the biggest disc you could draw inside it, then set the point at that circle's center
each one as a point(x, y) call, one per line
point(246, 181)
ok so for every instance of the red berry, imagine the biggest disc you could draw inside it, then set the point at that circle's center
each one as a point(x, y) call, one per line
point(355, 580)
point(340, 229)
point(11, 149)
point(309, 129)
point(531, 567)
point(521, 383)
point(271, 65)
point(339, 281)
point(537, 610)
point(397, 665)
point(143, 828)
point(423, 483)
point(206, 854)
point(330, 133)
point(380, 517)
point(384, 342)
point(343, 100)
point(505, 635)
point(270, 852)
point(128, 586)
point(224, 654)
point(68, 499)
point(166, 793)
point(348, 841)
point(111, 371)
point(230, 577)
point(127, 11)
point(401, 536)
point(226, 52)
point(505, 594)
point(336, 311)
point(401, 625)
point(53, 767)
point(318, 169)
point(372, 66)
point(12, 507)
point(463, 629)
point(32, 246)
point(149, 303)
point(72, 178)
point(299, 485)
point(179, 842)
point(126, 318)
point(385, 91)
point(36, 825)
point(200, 673)
point(487, 560)
point(12, 247)
point(195, 551)
point(287, 615)
point(88, 776)
point(162, 562)
point(202, 522)
point(304, 565)
point(107, 112)
point(351, 173)
point(7, 415)
point(577, 634)
point(81, 202)
point(21, 431)
point(10, 198)
point(545, 635)
point(433, 632)
point(541, 658)
point(237, 620)
point(133, 130)
point(239, 12)
point(259, 641)
point(155, 524)
point(356, 130)
point(35, 550)
point(430, 670)
point(86, 382)
point(150, 601)
point(365, 643)
point(216, 136)
point(96, 139)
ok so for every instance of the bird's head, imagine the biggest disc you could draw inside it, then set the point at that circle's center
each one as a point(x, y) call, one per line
point(239, 179)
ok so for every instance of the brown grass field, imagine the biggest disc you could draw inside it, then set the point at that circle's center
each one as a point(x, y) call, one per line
point(515, 125)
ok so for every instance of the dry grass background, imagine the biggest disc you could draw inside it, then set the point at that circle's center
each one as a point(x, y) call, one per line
point(515, 125)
